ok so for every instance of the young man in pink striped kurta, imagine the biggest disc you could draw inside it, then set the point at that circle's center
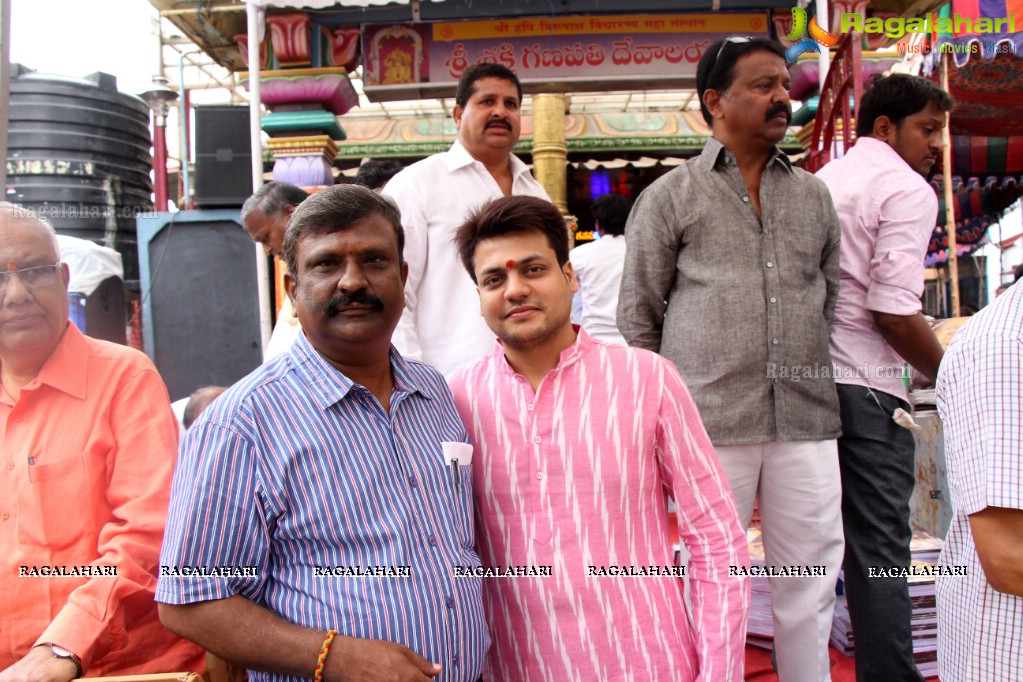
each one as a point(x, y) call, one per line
point(577, 446)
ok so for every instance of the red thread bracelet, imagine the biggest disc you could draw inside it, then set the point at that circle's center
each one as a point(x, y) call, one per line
point(321, 660)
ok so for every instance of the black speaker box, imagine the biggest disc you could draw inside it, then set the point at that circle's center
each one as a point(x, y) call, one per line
point(223, 156)
point(101, 314)
point(200, 298)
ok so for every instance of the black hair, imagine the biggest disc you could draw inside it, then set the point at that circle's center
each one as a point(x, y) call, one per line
point(716, 69)
point(376, 173)
point(467, 83)
point(898, 96)
point(612, 212)
point(334, 209)
point(511, 215)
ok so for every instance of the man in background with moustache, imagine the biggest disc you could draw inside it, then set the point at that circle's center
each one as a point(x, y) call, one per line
point(441, 324)
point(732, 272)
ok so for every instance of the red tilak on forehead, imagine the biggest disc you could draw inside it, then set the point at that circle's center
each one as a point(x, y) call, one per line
point(510, 264)
point(12, 266)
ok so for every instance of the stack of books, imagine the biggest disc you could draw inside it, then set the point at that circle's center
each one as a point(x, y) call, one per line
point(925, 550)
point(760, 631)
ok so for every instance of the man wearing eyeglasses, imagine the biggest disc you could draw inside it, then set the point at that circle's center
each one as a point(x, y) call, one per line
point(732, 272)
point(87, 448)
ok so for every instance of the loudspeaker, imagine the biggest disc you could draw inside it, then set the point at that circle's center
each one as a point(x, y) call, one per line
point(101, 314)
point(223, 156)
point(200, 298)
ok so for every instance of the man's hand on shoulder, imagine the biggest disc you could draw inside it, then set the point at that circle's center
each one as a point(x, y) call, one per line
point(40, 665)
point(375, 660)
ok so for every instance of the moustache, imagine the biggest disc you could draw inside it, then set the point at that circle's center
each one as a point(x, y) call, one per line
point(499, 122)
point(333, 308)
point(779, 109)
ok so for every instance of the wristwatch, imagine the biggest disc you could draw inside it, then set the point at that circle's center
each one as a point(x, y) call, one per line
point(61, 652)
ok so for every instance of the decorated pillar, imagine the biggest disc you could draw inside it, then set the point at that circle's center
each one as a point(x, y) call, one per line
point(305, 100)
point(303, 81)
point(550, 153)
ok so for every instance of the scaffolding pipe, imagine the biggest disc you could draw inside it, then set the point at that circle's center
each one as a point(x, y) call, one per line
point(254, 18)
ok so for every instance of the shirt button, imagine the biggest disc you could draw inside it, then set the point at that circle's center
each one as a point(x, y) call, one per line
point(770, 264)
point(529, 408)
point(774, 341)
point(450, 602)
point(5, 516)
point(455, 659)
point(774, 300)
point(413, 482)
point(537, 440)
point(745, 199)
point(432, 541)
point(10, 465)
point(539, 475)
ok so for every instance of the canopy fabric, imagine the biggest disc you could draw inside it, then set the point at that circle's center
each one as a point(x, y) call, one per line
point(976, 197)
point(988, 91)
point(987, 43)
point(988, 96)
point(977, 155)
point(977, 205)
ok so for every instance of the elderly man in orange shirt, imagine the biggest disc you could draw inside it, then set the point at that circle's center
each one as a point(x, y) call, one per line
point(87, 448)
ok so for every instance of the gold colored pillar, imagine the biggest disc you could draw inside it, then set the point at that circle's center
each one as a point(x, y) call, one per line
point(550, 153)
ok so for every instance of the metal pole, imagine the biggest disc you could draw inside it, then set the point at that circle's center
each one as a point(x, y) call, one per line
point(5, 88)
point(186, 150)
point(824, 57)
point(254, 19)
point(950, 216)
point(160, 160)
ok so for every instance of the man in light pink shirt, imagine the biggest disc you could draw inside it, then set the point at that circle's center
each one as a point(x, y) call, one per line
point(887, 211)
point(577, 446)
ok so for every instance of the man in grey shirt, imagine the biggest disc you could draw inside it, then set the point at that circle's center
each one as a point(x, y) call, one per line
point(732, 272)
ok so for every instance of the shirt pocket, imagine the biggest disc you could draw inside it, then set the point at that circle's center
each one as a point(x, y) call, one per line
point(463, 503)
point(53, 501)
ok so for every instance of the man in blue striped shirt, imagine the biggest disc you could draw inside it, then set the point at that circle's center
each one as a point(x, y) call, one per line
point(314, 494)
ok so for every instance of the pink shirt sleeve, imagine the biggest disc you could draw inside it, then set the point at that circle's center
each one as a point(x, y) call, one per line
point(709, 526)
point(906, 221)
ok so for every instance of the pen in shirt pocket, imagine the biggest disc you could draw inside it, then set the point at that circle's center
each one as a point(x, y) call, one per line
point(456, 454)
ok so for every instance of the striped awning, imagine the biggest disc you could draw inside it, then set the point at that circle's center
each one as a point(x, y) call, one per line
point(981, 156)
point(978, 204)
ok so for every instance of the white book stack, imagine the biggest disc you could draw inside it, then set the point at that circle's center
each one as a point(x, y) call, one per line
point(760, 631)
point(925, 550)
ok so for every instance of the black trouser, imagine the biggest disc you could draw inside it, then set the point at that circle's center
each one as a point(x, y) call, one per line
point(875, 456)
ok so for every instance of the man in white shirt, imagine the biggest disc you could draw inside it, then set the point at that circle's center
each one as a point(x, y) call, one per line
point(598, 269)
point(980, 589)
point(441, 324)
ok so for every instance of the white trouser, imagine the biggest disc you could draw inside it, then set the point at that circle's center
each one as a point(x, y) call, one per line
point(800, 492)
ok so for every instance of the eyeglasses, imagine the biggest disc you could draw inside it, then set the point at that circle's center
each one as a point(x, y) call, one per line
point(37, 276)
point(734, 40)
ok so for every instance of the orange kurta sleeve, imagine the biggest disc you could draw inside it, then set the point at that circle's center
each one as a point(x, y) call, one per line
point(92, 444)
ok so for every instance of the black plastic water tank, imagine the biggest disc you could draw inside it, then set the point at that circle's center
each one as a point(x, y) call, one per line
point(79, 155)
